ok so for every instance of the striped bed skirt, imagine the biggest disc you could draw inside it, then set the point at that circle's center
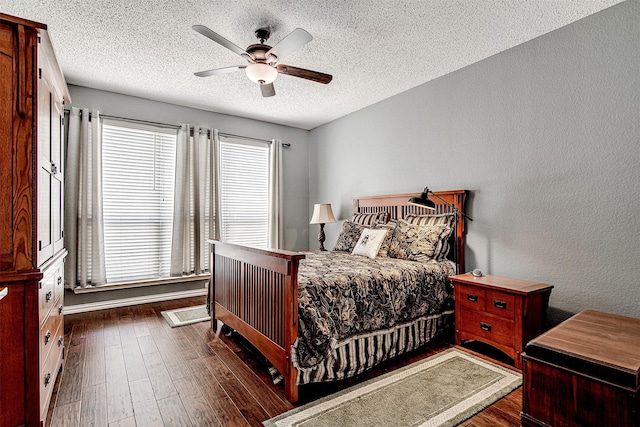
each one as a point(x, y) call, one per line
point(361, 352)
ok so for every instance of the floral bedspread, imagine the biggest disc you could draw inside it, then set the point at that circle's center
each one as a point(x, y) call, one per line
point(341, 295)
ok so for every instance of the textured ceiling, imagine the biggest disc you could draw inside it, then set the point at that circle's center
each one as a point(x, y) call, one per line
point(374, 50)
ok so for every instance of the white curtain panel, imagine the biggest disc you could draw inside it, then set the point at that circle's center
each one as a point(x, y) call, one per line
point(194, 209)
point(84, 225)
point(276, 228)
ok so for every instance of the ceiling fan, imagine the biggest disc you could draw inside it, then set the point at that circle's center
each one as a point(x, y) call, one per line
point(263, 66)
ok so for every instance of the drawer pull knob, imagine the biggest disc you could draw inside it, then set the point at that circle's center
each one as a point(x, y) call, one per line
point(472, 297)
point(485, 326)
point(60, 309)
point(47, 337)
point(47, 379)
point(500, 304)
point(60, 341)
point(48, 296)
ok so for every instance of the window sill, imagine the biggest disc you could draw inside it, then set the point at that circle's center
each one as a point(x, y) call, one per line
point(142, 283)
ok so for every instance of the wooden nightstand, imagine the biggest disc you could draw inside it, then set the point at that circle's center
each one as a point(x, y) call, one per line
point(504, 313)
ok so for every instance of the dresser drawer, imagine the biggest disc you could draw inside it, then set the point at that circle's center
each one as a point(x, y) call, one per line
point(501, 304)
point(48, 333)
point(494, 329)
point(471, 297)
point(46, 297)
point(49, 371)
point(58, 283)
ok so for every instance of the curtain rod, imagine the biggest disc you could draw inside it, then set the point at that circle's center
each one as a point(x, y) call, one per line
point(166, 125)
point(284, 144)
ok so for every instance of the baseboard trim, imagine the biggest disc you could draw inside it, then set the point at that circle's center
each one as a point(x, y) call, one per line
point(123, 302)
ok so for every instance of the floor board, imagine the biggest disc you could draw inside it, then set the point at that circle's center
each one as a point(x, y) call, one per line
point(127, 367)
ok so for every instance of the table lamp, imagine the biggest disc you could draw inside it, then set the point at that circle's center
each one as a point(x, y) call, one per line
point(322, 214)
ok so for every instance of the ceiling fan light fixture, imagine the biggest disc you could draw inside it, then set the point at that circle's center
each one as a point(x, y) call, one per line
point(261, 73)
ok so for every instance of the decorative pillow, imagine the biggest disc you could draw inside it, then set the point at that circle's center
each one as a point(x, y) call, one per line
point(441, 219)
point(418, 242)
point(348, 236)
point(370, 219)
point(390, 226)
point(369, 242)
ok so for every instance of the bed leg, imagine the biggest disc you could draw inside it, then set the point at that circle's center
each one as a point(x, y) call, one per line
point(217, 326)
point(290, 386)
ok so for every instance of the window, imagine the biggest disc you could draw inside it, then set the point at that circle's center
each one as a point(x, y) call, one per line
point(138, 185)
point(244, 192)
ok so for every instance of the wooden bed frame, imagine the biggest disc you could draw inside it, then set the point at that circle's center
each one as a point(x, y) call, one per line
point(255, 291)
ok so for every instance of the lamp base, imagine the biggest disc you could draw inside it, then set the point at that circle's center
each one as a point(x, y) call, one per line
point(321, 237)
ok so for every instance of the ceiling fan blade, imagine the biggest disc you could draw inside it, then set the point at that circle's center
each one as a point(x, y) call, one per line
point(292, 42)
point(267, 90)
point(218, 71)
point(315, 76)
point(219, 39)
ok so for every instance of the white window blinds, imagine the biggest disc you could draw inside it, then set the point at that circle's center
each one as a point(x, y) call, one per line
point(138, 181)
point(244, 192)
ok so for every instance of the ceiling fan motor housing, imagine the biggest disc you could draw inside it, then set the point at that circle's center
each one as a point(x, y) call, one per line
point(263, 34)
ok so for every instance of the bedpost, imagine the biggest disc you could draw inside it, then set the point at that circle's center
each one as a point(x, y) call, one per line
point(291, 321)
point(211, 307)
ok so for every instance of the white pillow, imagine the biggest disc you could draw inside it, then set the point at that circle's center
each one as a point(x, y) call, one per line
point(369, 242)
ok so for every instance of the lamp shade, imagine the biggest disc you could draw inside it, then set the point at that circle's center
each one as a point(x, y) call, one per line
point(423, 200)
point(322, 214)
point(261, 73)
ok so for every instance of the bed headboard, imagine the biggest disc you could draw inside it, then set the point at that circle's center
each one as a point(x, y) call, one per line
point(398, 208)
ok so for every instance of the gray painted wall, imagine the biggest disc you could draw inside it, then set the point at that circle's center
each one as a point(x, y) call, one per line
point(546, 138)
point(295, 158)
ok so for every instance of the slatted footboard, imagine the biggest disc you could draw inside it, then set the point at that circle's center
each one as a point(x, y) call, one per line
point(255, 292)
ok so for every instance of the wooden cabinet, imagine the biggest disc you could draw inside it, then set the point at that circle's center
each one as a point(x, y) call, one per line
point(584, 372)
point(31, 221)
point(505, 313)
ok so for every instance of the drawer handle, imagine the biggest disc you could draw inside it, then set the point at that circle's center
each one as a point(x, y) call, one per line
point(47, 379)
point(60, 341)
point(472, 297)
point(500, 304)
point(485, 326)
point(47, 337)
point(48, 296)
point(60, 309)
point(59, 279)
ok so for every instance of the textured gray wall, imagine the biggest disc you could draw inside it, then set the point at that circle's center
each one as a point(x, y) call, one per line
point(546, 138)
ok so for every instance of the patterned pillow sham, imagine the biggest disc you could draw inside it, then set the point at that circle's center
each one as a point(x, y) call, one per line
point(418, 242)
point(369, 242)
point(349, 236)
point(441, 219)
point(390, 226)
point(370, 219)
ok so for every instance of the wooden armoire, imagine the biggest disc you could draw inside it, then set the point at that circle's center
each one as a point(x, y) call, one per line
point(32, 92)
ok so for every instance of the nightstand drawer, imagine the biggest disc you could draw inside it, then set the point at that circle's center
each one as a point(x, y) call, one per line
point(471, 297)
point(491, 328)
point(501, 304)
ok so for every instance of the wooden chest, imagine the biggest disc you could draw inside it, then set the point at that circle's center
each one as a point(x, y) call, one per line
point(584, 372)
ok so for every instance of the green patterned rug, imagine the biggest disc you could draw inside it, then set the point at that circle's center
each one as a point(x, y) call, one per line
point(442, 390)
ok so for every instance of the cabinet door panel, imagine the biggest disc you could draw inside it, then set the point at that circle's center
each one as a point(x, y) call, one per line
point(46, 172)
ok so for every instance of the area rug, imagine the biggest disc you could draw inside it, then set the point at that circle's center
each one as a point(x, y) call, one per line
point(442, 390)
point(186, 316)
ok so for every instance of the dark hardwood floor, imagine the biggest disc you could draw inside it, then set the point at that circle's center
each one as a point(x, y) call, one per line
point(127, 367)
